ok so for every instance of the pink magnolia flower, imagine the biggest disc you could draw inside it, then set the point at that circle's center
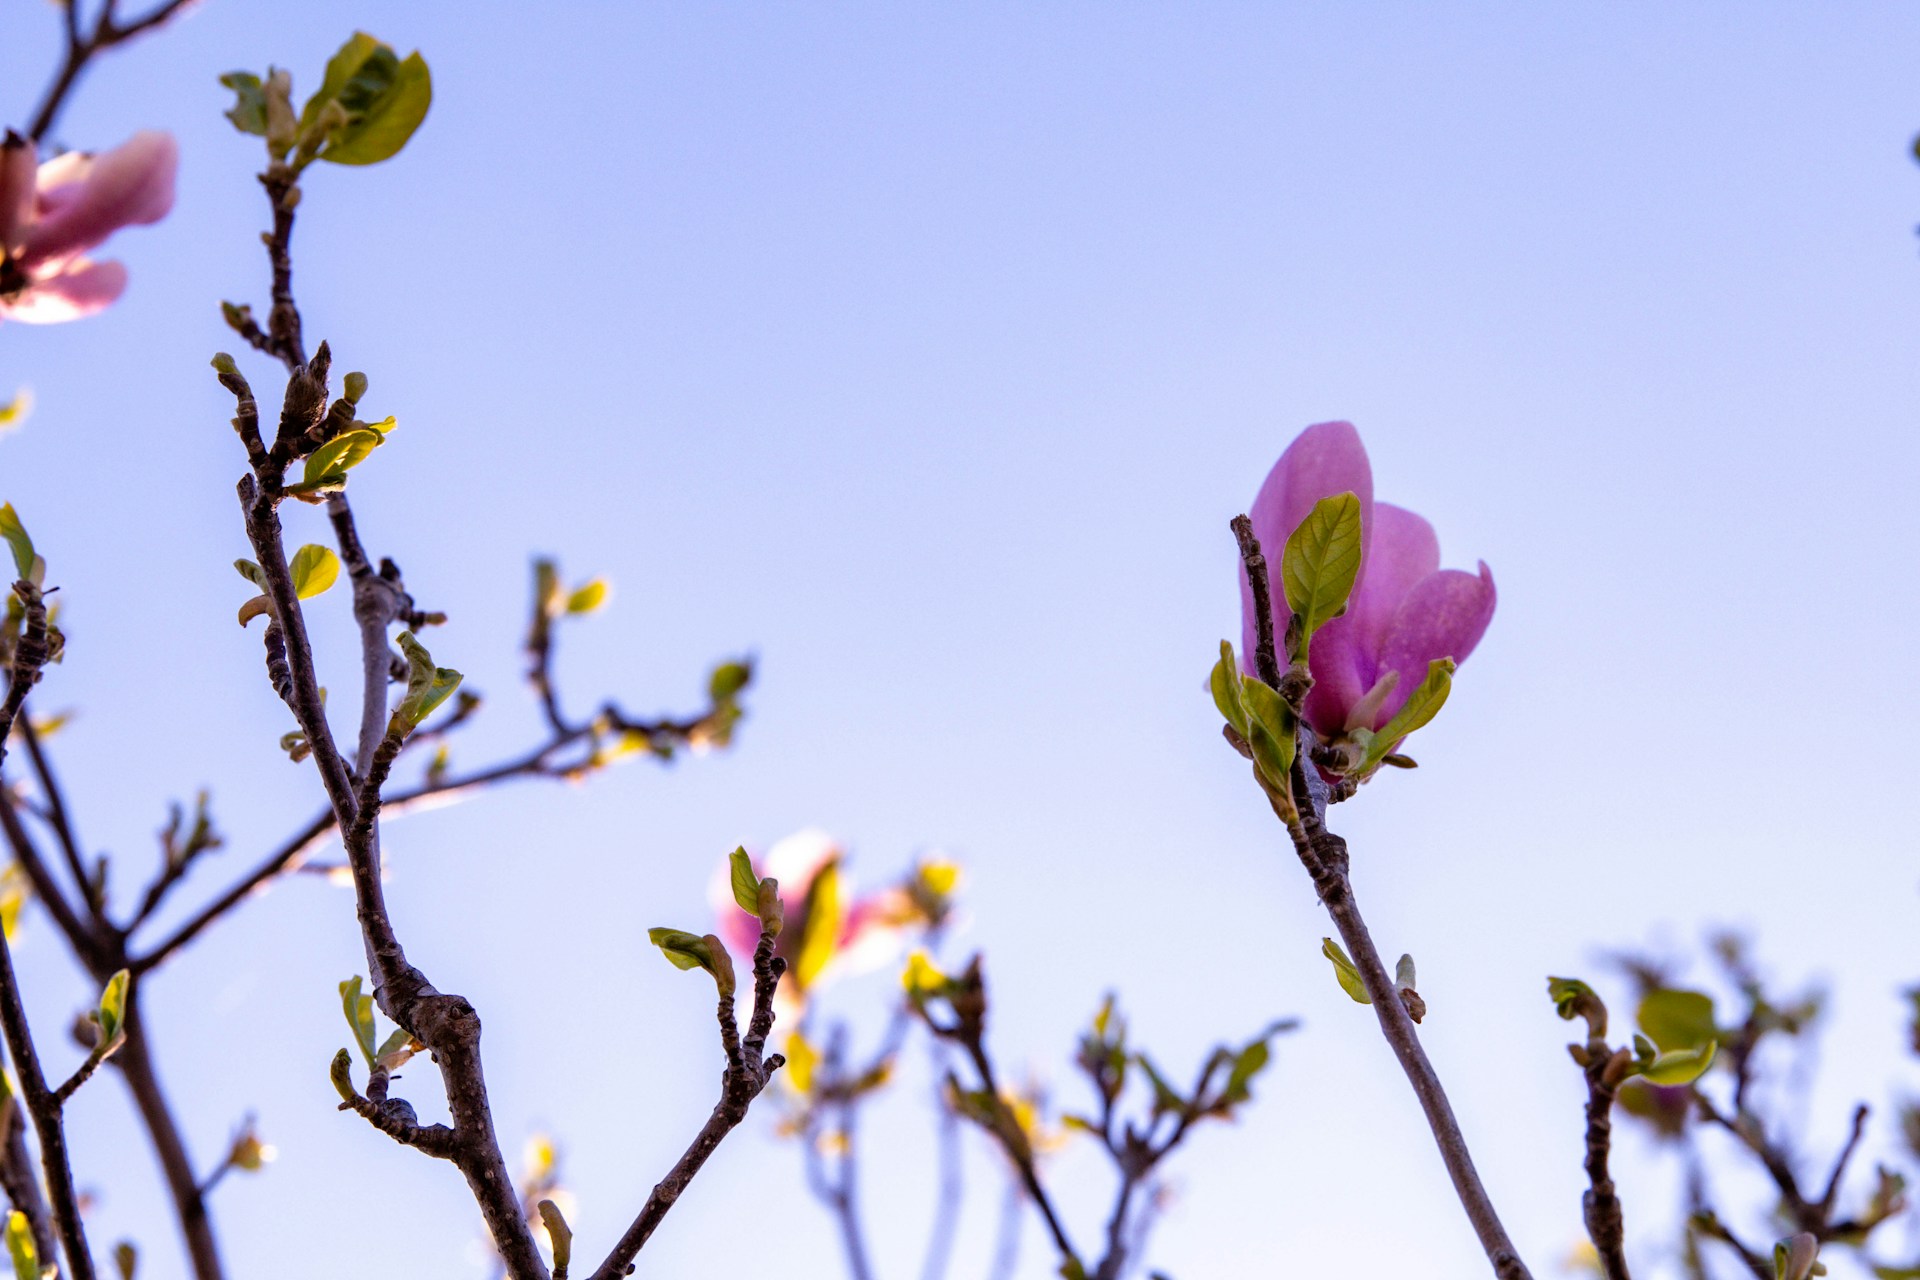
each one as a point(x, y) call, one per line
point(52, 214)
point(826, 927)
point(1405, 609)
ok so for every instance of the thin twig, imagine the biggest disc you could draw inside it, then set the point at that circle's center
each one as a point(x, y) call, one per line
point(1325, 857)
point(81, 49)
point(741, 1083)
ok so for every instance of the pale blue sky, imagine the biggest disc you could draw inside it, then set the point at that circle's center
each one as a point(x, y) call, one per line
point(925, 350)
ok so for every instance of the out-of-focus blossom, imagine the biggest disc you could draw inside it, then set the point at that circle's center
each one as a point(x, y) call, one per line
point(1405, 610)
point(827, 928)
point(53, 214)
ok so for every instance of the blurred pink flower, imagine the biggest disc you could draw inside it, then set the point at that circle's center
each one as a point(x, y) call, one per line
point(52, 214)
point(826, 928)
point(1405, 609)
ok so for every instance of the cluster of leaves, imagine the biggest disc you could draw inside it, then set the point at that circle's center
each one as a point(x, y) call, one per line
point(368, 105)
point(29, 567)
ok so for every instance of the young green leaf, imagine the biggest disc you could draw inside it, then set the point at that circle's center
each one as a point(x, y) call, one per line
point(112, 1013)
point(249, 111)
point(1675, 1019)
point(20, 1247)
point(251, 572)
point(314, 569)
point(559, 1234)
point(327, 466)
point(382, 100)
point(1270, 733)
point(1320, 564)
point(687, 950)
point(727, 680)
point(1421, 706)
point(427, 686)
point(359, 1011)
point(1166, 1099)
point(18, 541)
point(1679, 1066)
point(340, 1071)
point(1346, 971)
point(589, 596)
point(1225, 685)
point(15, 411)
point(745, 881)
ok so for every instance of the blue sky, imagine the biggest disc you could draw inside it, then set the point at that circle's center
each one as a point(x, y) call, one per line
point(924, 351)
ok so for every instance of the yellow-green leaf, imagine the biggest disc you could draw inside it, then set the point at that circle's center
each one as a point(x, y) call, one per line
point(1675, 1019)
point(1225, 685)
point(17, 540)
point(745, 881)
point(1421, 707)
point(1321, 562)
point(314, 569)
point(825, 916)
point(1345, 970)
point(589, 596)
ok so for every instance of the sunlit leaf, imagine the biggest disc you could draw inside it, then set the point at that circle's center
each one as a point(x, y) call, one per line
point(17, 541)
point(1345, 970)
point(1321, 562)
point(314, 569)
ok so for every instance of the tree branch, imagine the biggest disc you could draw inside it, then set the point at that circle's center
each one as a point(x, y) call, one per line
point(81, 49)
point(745, 1076)
point(1325, 857)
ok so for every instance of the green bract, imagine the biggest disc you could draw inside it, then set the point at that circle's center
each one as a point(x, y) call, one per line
point(1320, 564)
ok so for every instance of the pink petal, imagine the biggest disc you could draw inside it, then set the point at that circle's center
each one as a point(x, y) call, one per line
point(1404, 551)
point(1341, 675)
point(16, 190)
point(79, 289)
point(1323, 460)
point(1444, 616)
point(133, 183)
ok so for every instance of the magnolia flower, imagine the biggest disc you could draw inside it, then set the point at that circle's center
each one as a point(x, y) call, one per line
point(1405, 610)
point(825, 927)
point(52, 214)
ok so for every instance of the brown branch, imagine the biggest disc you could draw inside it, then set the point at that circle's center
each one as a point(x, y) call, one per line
point(134, 1061)
point(740, 1084)
point(30, 653)
point(57, 814)
point(1832, 1193)
point(1325, 857)
point(18, 1179)
point(81, 49)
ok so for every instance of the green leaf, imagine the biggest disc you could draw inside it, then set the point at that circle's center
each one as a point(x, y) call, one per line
point(15, 411)
point(559, 1234)
point(383, 97)
point(1680, 1066)
point(1270, 731)
point(1321, 561)
point(1166, 1099)
point(746, 882)
point(112, 1014)
point(328, 465)
point(1421, 706)
point(427, 686)
point(686, 950)
point(26, 1260)
point(126, 1259)
point(251, 572)
point(341, 1073)
point(17, 539)
point(1345, 970)
point(825, 916)
point(727, 680)
point(1225, 684)
point(314, 569)
point(359, 1011)
point(249, 111)
point(1675, 1019)
point(1247, 1064)
point(589, 596)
